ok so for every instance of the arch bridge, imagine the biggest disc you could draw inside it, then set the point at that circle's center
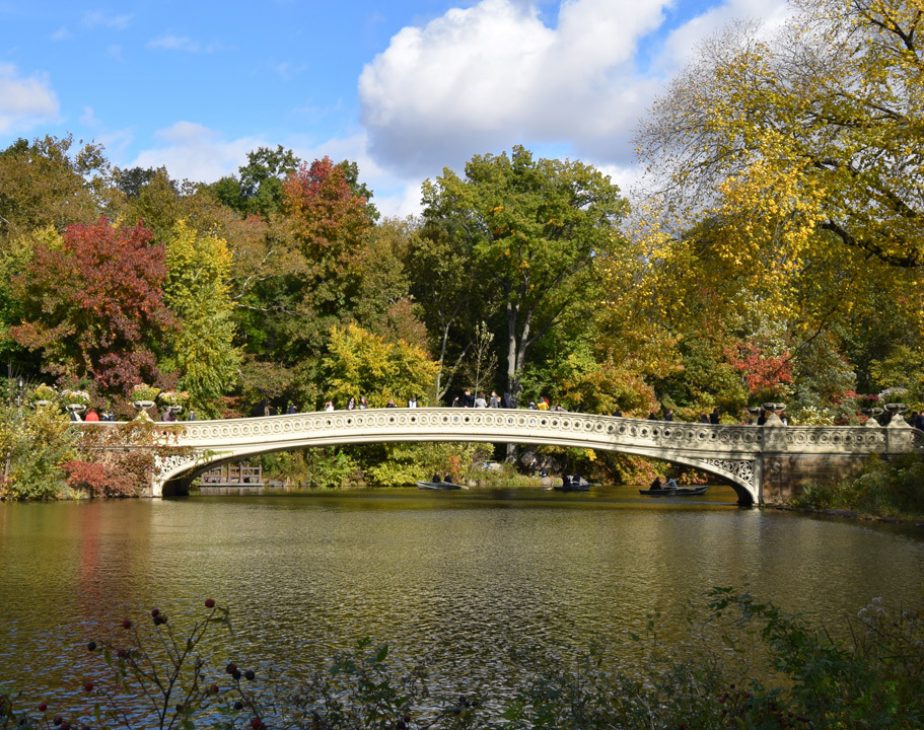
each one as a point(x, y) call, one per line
point(760, 462)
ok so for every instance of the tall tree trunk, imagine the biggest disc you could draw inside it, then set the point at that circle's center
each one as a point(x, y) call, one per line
point(513, 373)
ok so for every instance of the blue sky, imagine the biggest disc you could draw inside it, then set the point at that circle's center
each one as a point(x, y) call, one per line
point(403, 87)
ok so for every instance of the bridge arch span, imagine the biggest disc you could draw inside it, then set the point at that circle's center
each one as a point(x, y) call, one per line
point(730, 452)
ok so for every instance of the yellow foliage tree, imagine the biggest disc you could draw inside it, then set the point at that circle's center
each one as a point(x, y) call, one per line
point(361, 363)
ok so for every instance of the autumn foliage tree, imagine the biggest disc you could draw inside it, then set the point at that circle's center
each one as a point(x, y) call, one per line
point(330, 221)
point(327, 223)
point(93, 303)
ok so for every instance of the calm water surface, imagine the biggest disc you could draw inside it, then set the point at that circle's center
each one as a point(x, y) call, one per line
point(462, 577)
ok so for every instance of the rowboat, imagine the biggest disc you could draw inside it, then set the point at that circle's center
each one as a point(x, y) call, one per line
point(438, 485)
point(678, 492)
point(573, 484)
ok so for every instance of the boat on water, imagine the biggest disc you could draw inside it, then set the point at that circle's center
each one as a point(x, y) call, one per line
point(674, 492)
point(572, 484)
point(445, 486)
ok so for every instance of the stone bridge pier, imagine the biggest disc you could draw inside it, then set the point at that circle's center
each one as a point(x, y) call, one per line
point(764, 464)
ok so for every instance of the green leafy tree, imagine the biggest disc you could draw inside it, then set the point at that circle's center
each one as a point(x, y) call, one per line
point(154, 204)
point(45, 184)
point(197, 292)
point(452, 295)
point(258, 189)
point(532, 230)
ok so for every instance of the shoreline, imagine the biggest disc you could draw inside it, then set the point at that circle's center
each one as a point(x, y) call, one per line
point(849, 514)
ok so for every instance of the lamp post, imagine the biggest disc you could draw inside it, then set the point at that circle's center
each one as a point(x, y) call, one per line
point(20, 386)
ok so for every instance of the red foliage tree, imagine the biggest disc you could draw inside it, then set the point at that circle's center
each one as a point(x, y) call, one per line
point(94, 305)
point(328, 217)
point(98, 480)
point(763, 374)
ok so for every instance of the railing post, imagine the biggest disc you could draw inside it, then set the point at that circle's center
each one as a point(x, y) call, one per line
point(899, 435)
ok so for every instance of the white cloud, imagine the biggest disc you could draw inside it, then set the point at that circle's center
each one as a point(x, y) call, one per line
point(24, 101)
point(681, 45)
point(193, 152)
point(483, 78)
point(88, 117)
point(61, 34)
point(99, 19)
point(170, 42)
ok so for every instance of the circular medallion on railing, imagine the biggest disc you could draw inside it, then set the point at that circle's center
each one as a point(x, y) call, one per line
point(391, 419)
point(588, 426)
point(622, 429)
point(725, 437)
point(413, 419)
point(667, 433)
point(642, 432)
point(466, 419)
point(598, 427)
point(554, 423)
point(565, 423)
point(610, 428)
point(542, 422)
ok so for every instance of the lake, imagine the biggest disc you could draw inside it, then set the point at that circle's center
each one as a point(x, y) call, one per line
point(462, 577)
